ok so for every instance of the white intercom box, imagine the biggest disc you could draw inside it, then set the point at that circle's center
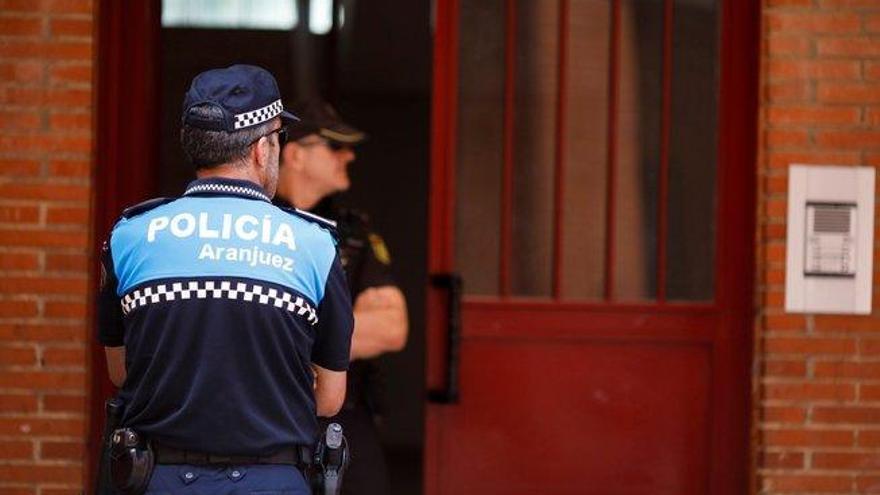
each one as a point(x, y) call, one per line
point(830, 250)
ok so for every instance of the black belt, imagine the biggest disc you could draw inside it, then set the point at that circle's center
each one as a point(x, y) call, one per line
point(300, 456)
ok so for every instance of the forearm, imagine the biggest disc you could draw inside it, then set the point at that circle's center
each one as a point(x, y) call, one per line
point(378, 330)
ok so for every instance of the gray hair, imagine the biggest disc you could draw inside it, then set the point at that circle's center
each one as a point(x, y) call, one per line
point(209, 149)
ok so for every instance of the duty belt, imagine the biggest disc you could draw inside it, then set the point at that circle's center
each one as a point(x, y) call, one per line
point(300, 456)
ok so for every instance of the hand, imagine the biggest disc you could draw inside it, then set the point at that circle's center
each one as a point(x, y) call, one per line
point(373, 298)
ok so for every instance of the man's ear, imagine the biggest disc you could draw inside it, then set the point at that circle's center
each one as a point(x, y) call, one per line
point(291, 155)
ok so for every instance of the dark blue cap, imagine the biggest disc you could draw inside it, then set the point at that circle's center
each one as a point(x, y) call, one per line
point(246, 94)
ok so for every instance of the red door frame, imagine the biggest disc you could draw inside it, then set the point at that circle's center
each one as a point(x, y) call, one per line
point(126, 133)
point(737, 151)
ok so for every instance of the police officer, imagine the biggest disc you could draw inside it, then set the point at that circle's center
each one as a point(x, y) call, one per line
point(314, 167)
point(226, 320)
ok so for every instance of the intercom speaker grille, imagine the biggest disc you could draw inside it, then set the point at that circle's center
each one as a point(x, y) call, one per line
point(832, 220)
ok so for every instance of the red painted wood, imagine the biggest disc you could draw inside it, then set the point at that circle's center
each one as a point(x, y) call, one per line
point(126, 129)
point(613, 398)
point(505, 255)
point(663, 176)
point(611, 189)
point(560, 150)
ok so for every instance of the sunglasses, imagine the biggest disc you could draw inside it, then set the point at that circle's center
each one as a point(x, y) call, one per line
point(333, 145)
point(282, 135)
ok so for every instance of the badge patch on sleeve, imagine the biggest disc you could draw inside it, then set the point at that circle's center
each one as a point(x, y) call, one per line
point(379, 249)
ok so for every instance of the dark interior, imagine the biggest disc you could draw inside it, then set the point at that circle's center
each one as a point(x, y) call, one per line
point(376, 70)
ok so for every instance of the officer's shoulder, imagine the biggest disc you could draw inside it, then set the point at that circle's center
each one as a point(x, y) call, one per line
point(311, 217)
point(141, 208)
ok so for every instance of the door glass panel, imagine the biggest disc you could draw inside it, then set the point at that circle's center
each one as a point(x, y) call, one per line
point(693, 151)
point(534, 138)
point(586, 138)
point(480, 145)
point(638, 148)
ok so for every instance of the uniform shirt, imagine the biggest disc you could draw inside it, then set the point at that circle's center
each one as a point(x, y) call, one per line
point(367, 264)
point(223, 301)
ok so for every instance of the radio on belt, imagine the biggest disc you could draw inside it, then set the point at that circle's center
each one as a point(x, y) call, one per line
point(829, 249)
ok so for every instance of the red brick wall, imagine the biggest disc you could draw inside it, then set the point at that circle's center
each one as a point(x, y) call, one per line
point(818, 402)
point(45, 145)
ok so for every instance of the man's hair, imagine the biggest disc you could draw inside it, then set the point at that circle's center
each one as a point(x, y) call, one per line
point(208, 149)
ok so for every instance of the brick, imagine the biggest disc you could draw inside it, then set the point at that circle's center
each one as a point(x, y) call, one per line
point(777, 368)
point(43, 285)
point(869, 347)
point(833, 323)
point(64, 403)
point(39, 473)
point(62, 450)
point(872, 159)
point(846, 415)
point(839, 370)
point(19, 403)
point(775, 208)
point(19, 490)
point(21, 356)
point(31, 426)
point(65, 309)
point(46, 142)
point(804, 483)
point(872, 23)
point(774, 299)
point(21, 119)
point(21, 71)
point(19, 214)
point(67, 262)
point(71, 27)
point(834, 4)
point(782, 460)
point(16, 450)
point(46, 50)
point(53, 6)
point(79, 122)
point(868, 484)
point(809, 391)
point(788, 3)
point(71, 73)
point(812, 346)
point(872, 116)
point(775, 232)
point(780, 137)
point(775, 252)
point(64, 356)
point(784, 322)
point(787, 414)
point(27, 238)
point(812, 22)
point(46, 98)
point(42, 380)
point(776, 185)
point(813, 115)
point(848, 47)
point(782, 159)
point(789, 91)
point(18, 309)
point(860, 93)
point(872, 71)
point(775, 277)
point(59, 491)
point(70, 168)
point(788, 45)
point(21, 26)
point(808, 438)
point(65, 215)
point(849, 139)
point(45, 191)
point(29, 332)
point(869, 438)
point(19, 168)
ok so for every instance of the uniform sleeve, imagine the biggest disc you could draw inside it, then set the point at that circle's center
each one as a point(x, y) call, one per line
point(376, 269)
point(335, 323)
point(111, 332)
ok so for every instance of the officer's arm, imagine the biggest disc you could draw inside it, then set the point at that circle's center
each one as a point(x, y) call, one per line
point(329, 390)
point(116, 364)
point(380, 322)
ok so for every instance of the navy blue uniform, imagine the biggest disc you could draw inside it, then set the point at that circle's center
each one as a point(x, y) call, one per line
point(223, 301)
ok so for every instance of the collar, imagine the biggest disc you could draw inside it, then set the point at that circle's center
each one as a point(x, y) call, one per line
point(226, 187)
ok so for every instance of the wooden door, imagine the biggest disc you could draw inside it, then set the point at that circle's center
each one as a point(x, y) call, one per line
point(592, 223)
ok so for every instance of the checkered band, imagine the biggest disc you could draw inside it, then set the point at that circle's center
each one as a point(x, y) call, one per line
point(259, 115)
point(205, 289)
point(226, 188)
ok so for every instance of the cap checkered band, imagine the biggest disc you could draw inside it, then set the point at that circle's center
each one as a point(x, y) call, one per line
point(226, 188)
point(248, 292)
point(259, 115)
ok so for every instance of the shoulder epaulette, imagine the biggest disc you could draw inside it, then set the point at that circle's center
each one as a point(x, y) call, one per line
point(323, 222)
point(144, 207)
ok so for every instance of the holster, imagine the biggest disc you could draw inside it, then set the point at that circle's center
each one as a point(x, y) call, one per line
point(113, 409)
point(331, 461)
point(131, 462)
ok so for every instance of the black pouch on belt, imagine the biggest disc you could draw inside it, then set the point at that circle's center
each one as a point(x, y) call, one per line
point(131, 462)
